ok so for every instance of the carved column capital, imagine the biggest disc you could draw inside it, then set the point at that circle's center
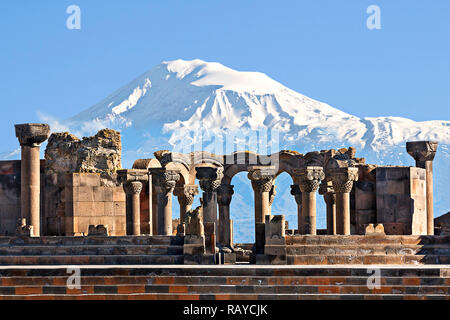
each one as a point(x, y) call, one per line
point(296, 192)
point(309, 178)
point(343, 178)
point(262, 178)
point(132, 180)
point(224, 194)
point(32, 134)
point(422, 151)
point(164, 180)
point(186, 193)
point(132, 187)
point(209, 178)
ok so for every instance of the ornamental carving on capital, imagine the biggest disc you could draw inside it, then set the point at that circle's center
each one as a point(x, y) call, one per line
point(343, 179)
point(164, 180)
point(132, 187)
point(309, 178)
point(326, 186)
point(186, 193)
point(224, 194)
point(261, 178)
point(209, 178)
point(125, 175)
point(422, 150)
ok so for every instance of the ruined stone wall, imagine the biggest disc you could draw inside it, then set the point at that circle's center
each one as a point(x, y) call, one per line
point(9, 196)
point(365, 198)
point(81, 187)
point(88, 202)
point(401, 200)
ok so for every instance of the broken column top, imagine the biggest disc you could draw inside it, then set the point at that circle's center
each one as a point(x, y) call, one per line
point(422, 150)
point(32, 134)
point(132, 175)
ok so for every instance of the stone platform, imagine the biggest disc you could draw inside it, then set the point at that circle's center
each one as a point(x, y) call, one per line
point(95, 250)
point(226, 282)
point(369, 249)
point(156, 250)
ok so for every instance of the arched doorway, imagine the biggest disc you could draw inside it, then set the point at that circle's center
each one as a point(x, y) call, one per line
point(242, 209)
point(284, 202)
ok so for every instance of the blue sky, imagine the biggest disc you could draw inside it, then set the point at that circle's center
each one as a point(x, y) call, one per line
point(319, 48)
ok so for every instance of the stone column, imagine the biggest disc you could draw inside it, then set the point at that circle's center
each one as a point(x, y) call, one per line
point(31, 136)
point(423, 152)
point(342, 179)
point(326, 189)
point(224, 195)
point(262, 180)
point(209, 180)
point(164, 181)
point(185, 196)
point(295, 191)
point(309, 180)
point(132, 181)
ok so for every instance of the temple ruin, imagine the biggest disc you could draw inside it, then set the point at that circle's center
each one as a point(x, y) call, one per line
point(81, 192)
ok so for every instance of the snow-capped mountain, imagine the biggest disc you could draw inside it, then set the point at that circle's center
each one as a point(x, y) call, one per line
point(165, 107)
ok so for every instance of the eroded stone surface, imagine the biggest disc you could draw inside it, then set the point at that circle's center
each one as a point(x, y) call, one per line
point(65, 153)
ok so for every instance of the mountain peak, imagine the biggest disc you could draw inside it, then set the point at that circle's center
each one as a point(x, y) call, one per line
point(203, 73)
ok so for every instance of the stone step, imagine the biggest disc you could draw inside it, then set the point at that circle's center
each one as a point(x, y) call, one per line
point(222, 280)
point(367, 239)
point(369, 249)
point(225, 289)
point(367, 259)
point(227, 271)
point(97, 240)
point(55, 250)
point(184, 296)
point(92, 260)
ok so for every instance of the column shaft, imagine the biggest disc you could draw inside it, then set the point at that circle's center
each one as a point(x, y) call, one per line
point(331, 219)
point(136, 213)
point(30, 187)
point(210, 206)
point(224, 225)
point(309, 213)
point(165, 214)
point(343, 213)
point(154, 225)
point(31, 136)
point(429, 195)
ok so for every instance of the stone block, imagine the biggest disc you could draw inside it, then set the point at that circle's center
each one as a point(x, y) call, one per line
point(227, 257)
point(108, 209)
point(98, 208)
point(99, 230)
point(275, 230)
point(118, 194)
point(89, 179)
point(364, 200)
point(194, 240)
point(119, 208)
point(84, 194)
point(83, 209)
point(260, 238)
point(393, 228)
point(397, 187)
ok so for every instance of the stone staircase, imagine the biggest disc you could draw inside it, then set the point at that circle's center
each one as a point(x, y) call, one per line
point(96, 250)
point(225, 282)
point(369, 249)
